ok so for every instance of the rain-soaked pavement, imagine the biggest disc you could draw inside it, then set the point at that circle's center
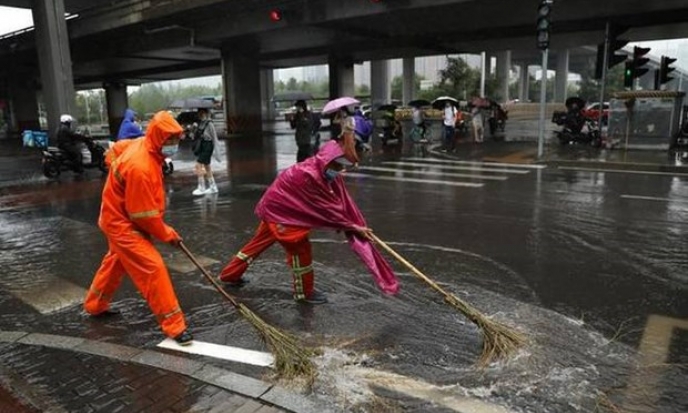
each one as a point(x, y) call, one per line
point(589, 265)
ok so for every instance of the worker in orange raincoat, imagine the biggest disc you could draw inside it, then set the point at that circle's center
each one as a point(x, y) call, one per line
point(131, 215)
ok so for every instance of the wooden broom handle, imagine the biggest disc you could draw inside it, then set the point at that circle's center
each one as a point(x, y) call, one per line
point(410, 266)
point(209, 277)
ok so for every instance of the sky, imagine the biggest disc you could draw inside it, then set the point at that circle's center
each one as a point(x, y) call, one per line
point(12, 19)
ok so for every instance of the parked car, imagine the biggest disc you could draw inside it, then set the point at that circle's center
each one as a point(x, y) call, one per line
point(592, 111)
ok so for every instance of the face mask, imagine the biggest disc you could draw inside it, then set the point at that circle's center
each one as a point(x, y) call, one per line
point(330, 174)
point(170, 150)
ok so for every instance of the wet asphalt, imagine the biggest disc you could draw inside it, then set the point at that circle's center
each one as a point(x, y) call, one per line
point(589, 265)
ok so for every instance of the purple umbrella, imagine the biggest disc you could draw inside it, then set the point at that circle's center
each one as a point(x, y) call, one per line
point(336, 104)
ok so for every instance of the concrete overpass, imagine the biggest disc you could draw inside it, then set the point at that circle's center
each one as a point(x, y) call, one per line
point(112, 44)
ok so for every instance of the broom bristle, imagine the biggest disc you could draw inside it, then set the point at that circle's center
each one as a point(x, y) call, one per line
point(499, 340)
point(292, 359)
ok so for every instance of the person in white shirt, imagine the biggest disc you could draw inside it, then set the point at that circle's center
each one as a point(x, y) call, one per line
point(449, 126)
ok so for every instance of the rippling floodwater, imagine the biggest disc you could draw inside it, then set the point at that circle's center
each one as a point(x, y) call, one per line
point(595, 281)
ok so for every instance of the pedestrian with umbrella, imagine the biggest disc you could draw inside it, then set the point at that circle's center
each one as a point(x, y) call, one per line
point(343, 117)
point(303, 124)
point(448, 105)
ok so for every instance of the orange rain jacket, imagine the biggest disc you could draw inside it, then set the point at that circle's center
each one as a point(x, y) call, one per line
point(138, 204)
point(131, 212)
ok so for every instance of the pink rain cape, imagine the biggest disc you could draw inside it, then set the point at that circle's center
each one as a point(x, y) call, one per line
point(301, 196)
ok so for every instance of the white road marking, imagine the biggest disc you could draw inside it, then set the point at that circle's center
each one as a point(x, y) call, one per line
point(652, 198)
point(48, 294)
point(433, 173)
point(581, 169)
point(458, 168)
point(236, 354)
point(422, 181)
point(483, 163)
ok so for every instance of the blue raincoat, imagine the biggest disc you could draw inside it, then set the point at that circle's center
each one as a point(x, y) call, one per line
point(129, 129)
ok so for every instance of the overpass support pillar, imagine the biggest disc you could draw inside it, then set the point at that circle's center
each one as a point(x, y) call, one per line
point(54, 59)
point(117, 102)
point(408, 91)
point(267, 91)
point(523, 82)
point(341, 77)
point(503, 75)
point(562, 77)
point(241, 80)
point(380, 91)
point(24, 105)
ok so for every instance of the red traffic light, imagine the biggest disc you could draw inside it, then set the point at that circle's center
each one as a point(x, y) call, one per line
point(275, 15)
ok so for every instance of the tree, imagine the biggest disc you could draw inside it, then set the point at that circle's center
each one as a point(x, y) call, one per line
point(459, 80)
point(590, 87)
point(397, 87)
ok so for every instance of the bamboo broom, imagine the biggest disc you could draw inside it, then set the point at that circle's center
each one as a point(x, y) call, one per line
point(499, 340)
point(291, 358)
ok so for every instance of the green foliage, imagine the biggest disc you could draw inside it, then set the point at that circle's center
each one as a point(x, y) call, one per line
point(318, 90)
point(397, 87)
point(153, 97)
point(590, 87)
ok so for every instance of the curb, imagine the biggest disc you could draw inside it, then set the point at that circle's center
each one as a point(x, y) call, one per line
point(243, 385)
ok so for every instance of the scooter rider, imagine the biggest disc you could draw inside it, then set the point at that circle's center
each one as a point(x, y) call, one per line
point(67, 140)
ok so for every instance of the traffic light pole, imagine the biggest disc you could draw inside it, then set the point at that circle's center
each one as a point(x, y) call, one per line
point(603, 81)
point(543, 102)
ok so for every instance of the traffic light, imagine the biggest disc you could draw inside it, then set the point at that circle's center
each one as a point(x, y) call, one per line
point(664, 69)
point(543, 24)
point(614, 59)
point(628, 75)
point(276, 15)
point(639, 61)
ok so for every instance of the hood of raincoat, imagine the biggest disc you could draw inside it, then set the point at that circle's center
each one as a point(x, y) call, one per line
point(129, 115)
point(302, 196)
point(161, 128)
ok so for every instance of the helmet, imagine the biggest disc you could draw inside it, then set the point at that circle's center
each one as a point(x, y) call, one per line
point(66, 118)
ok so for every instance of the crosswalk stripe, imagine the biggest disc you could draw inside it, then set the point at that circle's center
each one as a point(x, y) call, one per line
point(487, 163)
point(422, 181)
point(230, 353)
point(458, 168)
point(48, 295)
point(433, 173)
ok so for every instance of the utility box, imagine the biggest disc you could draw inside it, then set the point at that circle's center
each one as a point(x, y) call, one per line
point(644, 118)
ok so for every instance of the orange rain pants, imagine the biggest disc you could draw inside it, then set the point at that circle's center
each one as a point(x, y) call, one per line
point(295, 242)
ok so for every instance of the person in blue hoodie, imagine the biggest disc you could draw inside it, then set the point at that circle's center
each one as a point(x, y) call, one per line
point(129, 129)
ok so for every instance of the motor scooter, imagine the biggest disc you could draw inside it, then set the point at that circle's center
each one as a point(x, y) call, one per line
point(576, 127)
point(55, 160)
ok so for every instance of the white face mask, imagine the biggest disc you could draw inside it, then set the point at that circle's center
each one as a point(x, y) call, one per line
point(170, 150)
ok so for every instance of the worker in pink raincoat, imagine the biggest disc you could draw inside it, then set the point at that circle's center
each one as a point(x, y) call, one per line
point(310, 194)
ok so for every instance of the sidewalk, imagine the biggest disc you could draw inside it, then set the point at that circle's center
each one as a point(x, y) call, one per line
point(59, 374)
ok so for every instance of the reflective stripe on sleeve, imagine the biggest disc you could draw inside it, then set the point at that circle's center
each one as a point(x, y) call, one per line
point(144, 214)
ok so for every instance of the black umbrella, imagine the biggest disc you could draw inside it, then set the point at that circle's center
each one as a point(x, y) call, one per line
point(387, 108)
point(417, 103)
point(292, 96)
point(574, 101)
point(192, 103)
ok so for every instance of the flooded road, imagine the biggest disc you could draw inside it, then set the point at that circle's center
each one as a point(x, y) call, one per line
point(590, 266)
